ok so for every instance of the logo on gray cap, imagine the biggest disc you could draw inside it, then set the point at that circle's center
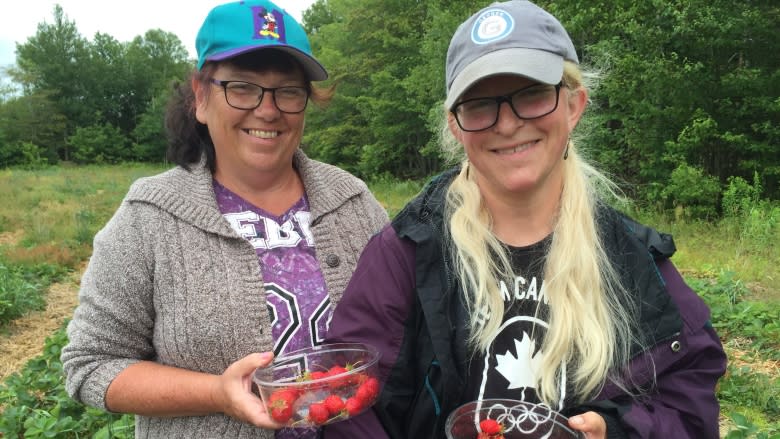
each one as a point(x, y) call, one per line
point(492, 25)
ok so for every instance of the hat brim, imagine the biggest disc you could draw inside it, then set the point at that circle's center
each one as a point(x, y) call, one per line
point(314, 70)
point(537, 65)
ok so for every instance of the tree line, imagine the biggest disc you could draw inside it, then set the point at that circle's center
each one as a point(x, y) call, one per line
point(685, 104)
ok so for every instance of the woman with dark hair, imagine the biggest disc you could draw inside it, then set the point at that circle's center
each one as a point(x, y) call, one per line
point(207, 271)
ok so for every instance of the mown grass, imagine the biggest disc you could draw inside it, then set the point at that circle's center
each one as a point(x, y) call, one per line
point(48, 219)
point(60, 209)
point(708, 249)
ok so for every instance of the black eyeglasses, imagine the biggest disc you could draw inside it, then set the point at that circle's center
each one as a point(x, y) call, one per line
point(248, 96)
point(527, 103)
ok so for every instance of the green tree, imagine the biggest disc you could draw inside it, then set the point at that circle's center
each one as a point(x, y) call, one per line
point(102, 143)
point(99, 83)
point(52, 62)
point(108, 83)
point(378, 122)
point(31, 119)
point(681, 81)
point(149, 137)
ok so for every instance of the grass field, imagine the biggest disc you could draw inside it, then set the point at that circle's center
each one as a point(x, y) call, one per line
point(48, 219)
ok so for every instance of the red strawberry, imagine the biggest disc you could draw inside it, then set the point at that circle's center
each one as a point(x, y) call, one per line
point(368, 391)
point(289, 395)
point(313, 376)
point(353, 406)
point(334, 404)
point(339, 382)
point(316, 375)
point(281, 403)
point(359, 378)
point(490, 426)
point(335, 370)
point(281, 414)
point(318, 413)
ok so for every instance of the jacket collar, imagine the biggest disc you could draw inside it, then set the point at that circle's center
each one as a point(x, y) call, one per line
point(633, 248)
point(189, 194)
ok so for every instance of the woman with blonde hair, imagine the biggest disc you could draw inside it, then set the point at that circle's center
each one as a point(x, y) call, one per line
point(509, 276)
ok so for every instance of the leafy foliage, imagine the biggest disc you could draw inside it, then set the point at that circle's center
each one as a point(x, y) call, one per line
point(37, 406)
point(750, 397)
point(98, 144)
point(71, 84)
point(22, 288)
point(684, 82)
point(734, 316)
point(692, 193)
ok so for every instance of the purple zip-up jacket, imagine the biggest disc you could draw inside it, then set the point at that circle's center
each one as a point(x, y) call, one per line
point(403, 300)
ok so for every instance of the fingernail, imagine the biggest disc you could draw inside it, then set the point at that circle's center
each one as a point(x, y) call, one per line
point(578, 420)
point(265, 356)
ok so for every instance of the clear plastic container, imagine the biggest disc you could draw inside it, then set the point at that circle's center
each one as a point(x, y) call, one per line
point(320, 385)
point(509, 419)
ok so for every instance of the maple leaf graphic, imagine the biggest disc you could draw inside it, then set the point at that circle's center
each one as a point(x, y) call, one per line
point(520, 370)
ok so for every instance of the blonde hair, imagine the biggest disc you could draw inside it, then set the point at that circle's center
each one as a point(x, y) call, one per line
point(590, 329)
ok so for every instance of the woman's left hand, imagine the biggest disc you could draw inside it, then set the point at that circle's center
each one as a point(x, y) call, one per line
point(590, 423)
point(235, 391)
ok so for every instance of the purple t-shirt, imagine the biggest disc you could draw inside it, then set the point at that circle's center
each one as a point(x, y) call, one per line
point(295, 288)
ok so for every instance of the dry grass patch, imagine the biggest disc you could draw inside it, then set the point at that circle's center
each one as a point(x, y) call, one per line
point(24, 338)
point(12, 238)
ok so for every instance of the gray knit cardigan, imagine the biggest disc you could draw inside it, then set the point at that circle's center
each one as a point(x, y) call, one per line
point(170, 281)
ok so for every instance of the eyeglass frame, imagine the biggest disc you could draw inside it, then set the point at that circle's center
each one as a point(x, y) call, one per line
point(224, 85)
point(508, 99)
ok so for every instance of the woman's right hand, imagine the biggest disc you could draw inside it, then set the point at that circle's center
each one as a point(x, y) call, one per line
point(234, 391)
point(591, 424)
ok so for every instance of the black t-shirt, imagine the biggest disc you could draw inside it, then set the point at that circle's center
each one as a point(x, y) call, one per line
point(510, 366)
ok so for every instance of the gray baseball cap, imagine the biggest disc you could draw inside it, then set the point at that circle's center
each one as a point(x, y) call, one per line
point(515, 37)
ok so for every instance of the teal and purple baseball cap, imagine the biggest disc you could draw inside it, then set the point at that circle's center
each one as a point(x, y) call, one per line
point(236, 28)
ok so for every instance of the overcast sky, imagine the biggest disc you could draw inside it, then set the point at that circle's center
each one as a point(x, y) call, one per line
point(122, 20)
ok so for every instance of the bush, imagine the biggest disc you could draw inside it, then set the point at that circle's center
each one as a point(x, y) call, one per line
point(692, 193)
point(98, 144)
point(26, 155)
point(740, 196)
point(757, 220)
point(17, 294)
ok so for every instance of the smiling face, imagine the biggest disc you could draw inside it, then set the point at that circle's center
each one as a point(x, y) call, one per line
point(519, 157)
point(250, 145)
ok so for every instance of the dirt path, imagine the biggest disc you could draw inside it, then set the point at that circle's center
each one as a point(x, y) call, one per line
point(25, 336)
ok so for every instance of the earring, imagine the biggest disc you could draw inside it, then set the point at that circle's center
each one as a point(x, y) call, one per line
point(566, 153)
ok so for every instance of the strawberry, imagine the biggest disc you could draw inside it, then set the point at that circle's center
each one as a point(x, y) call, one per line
point(281, 402)
point(353, 406)
point(318, 413)
point(316, 375)
point(336, 370)
point(368, 391)
point(313, 376)
point(289, 395)
point(490, 426)
point(340, 382)
point(334, 404)
point(281, 414)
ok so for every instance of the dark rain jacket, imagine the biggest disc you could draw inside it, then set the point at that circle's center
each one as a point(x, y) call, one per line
point(404, 300)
